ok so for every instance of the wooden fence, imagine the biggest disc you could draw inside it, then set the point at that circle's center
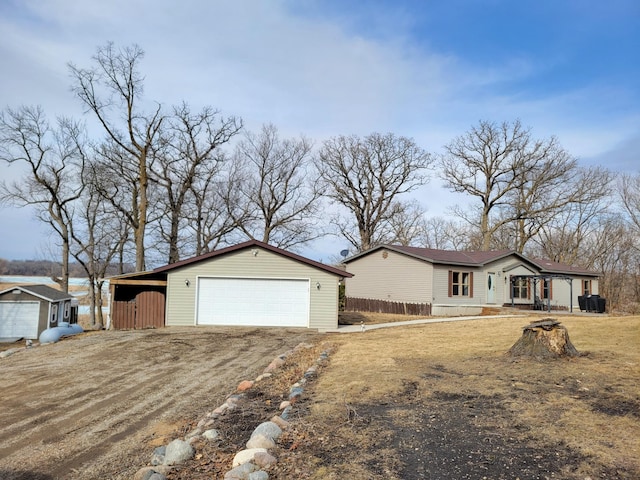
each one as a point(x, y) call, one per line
point(146, 310)
point(382, 306)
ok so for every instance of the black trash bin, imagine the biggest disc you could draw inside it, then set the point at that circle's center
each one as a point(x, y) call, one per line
point(592, 303)
point(595, 304)
point(582, 302)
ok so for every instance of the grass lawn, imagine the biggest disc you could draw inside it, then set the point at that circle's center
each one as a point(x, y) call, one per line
point(445, 401)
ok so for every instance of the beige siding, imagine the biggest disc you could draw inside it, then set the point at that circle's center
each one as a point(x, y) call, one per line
point(504, 269)
point(441, 286)
point(562, 290)
point(181, 299)
point(403, 278)
point(519, 270)
point(397, 278)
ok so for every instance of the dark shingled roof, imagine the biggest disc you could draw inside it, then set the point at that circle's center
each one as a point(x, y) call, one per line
point(42, 291)
point(452, 256)
point(475, 259)
point(547, 266)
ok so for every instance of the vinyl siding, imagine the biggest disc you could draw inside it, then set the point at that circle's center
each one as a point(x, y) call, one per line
point(441, 286)
point(504, 268)
point(181, 300)
point(404, 278)
point(519, 270)
point(562, 291)
point(397, 278)
point(43, 315)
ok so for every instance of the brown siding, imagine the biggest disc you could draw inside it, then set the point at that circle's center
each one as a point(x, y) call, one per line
point(123, 315)
point(146, 310)
point(150, 309)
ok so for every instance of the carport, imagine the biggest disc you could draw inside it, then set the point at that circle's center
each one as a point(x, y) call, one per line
point(138, 300)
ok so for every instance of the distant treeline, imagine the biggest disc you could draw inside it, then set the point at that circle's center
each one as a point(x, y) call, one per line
point(47, 268)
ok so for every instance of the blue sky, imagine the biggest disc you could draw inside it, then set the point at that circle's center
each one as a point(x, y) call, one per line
point(423, 69)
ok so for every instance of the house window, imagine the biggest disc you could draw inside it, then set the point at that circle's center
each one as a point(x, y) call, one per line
point(546, 290)
point(54, 313)
point(520, 288)
point(586, 287)
point(460, 284)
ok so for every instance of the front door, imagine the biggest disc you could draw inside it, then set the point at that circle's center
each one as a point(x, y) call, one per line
point(491, 287)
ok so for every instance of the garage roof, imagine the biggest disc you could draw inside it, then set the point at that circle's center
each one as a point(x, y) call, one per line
point(254, 244)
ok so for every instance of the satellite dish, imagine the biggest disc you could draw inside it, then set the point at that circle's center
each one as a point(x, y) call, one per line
point(344, 253)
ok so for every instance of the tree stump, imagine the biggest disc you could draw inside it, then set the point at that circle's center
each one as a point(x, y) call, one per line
point(544, 339)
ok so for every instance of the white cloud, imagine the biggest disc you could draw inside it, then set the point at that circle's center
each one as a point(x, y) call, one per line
point(319, 75)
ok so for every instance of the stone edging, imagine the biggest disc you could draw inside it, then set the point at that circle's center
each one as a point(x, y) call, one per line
point(252, 462)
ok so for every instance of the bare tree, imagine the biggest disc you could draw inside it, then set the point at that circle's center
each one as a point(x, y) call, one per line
point(112, 91)
point(447, 234)
point(55, 161)
point(408, 225)
point(276, 183)
point(116, 179)
point(629, 192)
point(514, 176)
point(630, 198)
point(216, 210)
point(612, 250)
point(189, 151)
point(99, 235)
point(549, 190)
point(367, 177)
point(564, 237)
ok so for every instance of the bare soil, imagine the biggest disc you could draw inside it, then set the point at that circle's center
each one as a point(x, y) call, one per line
point(96, 404)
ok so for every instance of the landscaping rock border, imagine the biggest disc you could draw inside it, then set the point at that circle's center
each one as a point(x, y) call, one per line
point(255, 460)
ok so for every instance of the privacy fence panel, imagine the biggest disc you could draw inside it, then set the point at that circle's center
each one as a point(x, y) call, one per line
point(353, 304)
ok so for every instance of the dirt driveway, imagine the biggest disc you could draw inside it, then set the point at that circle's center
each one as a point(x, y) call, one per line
point(93, 406)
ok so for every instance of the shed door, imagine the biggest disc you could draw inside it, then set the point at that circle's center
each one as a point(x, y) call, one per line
point(19, 319)
point(253, 302)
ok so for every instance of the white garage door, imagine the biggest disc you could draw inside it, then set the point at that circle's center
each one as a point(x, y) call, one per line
point(19, 319)
point(253, 301)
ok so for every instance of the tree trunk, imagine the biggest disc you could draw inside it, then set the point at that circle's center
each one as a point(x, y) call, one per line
point(544, 339)
point(99, 323)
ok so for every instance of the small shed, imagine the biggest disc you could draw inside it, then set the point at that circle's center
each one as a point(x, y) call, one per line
point(27, 310)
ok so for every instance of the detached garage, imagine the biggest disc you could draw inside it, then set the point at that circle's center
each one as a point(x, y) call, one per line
point(26, 311)
point(249, 284)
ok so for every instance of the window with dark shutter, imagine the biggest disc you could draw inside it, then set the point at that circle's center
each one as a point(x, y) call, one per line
point(460, 284)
